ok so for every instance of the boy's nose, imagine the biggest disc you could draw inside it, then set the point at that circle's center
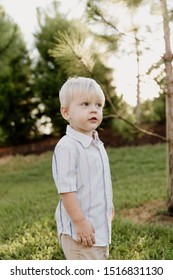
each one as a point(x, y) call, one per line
point(93, 108)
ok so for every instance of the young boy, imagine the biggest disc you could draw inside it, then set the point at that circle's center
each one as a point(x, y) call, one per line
point(82, 175)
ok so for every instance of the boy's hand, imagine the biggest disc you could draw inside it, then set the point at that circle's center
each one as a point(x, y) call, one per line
point(85, 233)
point(84, 229)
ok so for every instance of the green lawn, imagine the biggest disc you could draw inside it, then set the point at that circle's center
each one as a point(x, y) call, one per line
point(28, 200)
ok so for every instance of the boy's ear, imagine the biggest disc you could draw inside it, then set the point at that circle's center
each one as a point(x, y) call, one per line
point(64, 113)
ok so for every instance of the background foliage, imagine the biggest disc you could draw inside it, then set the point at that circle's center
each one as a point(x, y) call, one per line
point(29, 87)
point(17, 120)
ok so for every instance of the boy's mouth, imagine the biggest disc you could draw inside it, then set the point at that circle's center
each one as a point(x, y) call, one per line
point(93, 119)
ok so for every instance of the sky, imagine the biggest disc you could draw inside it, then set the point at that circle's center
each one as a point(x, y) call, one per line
point(23, 13)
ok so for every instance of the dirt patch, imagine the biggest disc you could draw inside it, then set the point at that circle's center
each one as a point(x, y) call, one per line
point(36, 147)
point(5, 159)
point(150, 212)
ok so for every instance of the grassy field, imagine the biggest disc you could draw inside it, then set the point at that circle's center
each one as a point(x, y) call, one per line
point(28, 200)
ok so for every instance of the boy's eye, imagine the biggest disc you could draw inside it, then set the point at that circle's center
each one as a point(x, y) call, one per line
point(99, 105)
point(85, 104)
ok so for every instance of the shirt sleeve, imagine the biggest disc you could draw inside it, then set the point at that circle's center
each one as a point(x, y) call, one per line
point(64, 169)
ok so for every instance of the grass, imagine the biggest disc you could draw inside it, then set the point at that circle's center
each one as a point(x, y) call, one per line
point(138, 174)
point(28, 200)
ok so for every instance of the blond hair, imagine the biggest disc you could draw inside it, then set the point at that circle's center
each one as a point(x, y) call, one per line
point(77, 87)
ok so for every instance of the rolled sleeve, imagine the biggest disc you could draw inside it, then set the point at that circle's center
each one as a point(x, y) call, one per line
point(64, 169)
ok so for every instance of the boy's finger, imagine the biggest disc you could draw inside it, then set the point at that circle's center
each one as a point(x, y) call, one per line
point(84, 241)
point(93, 239)
point(90, 242)
point(79, 239)
point(93, 230)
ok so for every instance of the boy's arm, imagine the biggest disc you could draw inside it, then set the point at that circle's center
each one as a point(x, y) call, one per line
point(84, 229)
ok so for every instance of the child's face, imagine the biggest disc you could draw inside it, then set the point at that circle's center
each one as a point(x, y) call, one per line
point(84, 114)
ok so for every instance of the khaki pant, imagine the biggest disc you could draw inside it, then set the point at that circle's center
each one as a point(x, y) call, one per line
point(76, 251)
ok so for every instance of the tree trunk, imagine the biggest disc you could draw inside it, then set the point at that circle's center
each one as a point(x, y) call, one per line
point(138, 95)
point(168, 57)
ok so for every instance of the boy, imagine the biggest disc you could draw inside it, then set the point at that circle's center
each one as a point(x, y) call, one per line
point(82, 175)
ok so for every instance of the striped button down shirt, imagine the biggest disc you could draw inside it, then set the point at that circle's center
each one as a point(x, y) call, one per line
point(80, 164)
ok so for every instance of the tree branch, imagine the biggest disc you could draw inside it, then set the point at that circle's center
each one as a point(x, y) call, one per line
point(136, 126)
point(115, 114)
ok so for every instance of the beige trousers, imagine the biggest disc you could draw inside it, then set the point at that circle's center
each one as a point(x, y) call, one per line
point(76, 251)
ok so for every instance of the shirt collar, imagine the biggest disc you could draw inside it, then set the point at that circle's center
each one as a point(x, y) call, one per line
point(84, 139)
